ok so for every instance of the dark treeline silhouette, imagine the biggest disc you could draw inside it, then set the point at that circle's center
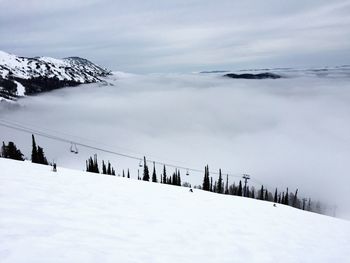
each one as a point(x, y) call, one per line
point(92, 166)
point(219, 186)
point(174, 179)
point(40, 84)
point(10, 151)
point(285, 198)
point(38, 155)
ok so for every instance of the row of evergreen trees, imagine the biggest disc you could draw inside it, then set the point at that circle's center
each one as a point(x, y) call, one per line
point(286, 198)
point(12, 152)
point(218, 186)
point(175, 179)
point(92, 166)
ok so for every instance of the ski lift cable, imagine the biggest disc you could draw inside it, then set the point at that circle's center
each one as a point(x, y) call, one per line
point(66, 140)
point(260, 183)
point(39, 133)
point(43, 130)
point(57, 138)
point(29, 130)
point(30, 126)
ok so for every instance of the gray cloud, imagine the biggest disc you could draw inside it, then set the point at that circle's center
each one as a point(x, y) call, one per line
point(182, 36)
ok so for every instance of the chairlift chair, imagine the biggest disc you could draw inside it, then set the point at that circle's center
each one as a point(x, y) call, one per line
point(74, 148)
point(71, 148)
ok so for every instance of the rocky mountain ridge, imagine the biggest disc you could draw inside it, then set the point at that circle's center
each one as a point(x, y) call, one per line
point(20, 76)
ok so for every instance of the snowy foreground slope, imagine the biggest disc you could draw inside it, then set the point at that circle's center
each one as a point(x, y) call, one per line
point(73, 216)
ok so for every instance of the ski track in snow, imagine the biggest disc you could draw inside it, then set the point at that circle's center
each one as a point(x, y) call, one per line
point(73, 216)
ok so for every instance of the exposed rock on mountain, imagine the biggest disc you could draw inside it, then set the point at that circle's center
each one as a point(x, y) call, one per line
point(265, 75)
point(21, 76)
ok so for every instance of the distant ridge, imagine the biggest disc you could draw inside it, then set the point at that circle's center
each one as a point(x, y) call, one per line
point(20, 76)
point(265, 75)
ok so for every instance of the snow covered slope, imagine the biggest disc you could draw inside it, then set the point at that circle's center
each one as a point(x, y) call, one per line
point(73, 216)
point(44, 73)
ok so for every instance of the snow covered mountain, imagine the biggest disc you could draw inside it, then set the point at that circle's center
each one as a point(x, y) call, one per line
point(21, 76)
point(74, 216)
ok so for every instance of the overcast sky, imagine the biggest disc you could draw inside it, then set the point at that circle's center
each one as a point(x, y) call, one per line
point(180, 35)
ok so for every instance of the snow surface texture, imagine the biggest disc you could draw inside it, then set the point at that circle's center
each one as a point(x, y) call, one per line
point(73, 216)
point(74, 69)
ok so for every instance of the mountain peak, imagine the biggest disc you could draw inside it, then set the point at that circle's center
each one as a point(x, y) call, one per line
point(40, 74)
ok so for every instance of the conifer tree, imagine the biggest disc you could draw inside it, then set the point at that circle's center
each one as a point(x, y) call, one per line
point(206, 183)
point(178, 180)
point(4, 150)
point(164, 174)
point(123, 173)
point(240, 189)
point(174, 178)
point(34, 151)
point(104, 169)
point(266, 195)
point(92, 165)
point(13, 152)
point(226, 188)
point(295, 199)
point(145, 170)
point(275, 197)
point(286, 198)
point(95, 165)
point(10, 151)
point(92, 168)
point(261, 197)
point(206, 180)
point(211, 184)
point(154, 175)
point(41, 156)
point(232, 189)
point(128, 176)
point(219, 184)
point(109, 168)
point(88, 165)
